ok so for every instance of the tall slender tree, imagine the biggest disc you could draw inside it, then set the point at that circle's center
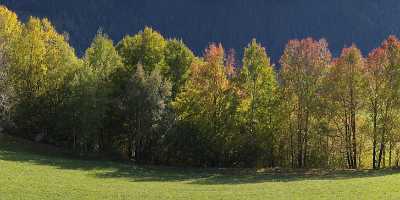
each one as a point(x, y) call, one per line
point(376, 65)
point(258, 85)
point(304, 64)
point(91, 103)
point(204, 100)
point(391, 87)
point(347, 76)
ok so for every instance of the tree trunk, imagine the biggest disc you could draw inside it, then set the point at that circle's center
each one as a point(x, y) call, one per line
point(354, 140)
point(299, 149)
point(390, 153)
point(348, 159)
point(299, 138)
point(382, 147)
point(374, 136)
point(383, 139)
point(305, 140)
point(74, 133)
point(353, 130)
point(292, 152)
point(384, 158)
point(348, 141)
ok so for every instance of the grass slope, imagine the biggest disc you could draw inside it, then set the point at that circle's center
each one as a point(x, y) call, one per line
point(47, 175)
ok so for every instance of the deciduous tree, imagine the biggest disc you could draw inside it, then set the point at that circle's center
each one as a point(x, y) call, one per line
point(147, 47)
point(347, 76)
point(304, 64)
point(258, 102)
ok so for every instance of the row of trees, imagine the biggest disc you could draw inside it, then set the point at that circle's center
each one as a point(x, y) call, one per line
point(151, 100)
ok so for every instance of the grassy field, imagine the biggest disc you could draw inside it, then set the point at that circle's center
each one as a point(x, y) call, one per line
point(25, 175)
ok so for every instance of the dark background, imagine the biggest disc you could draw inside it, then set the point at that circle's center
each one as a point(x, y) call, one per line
point(232, 22)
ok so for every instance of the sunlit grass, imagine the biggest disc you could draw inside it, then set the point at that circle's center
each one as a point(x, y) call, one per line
point(26, 175)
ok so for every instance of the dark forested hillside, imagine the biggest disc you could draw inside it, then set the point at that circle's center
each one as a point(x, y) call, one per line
point(232, 22)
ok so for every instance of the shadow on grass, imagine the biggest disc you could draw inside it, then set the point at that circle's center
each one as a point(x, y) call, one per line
point(108, 169)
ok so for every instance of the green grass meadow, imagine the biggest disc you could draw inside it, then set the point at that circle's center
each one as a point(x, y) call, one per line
point(52, 175)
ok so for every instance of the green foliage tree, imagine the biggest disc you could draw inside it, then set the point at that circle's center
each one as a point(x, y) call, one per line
point(10, 26)
point(92, 91)
point(179, 59)
point(102, 57)
point(10, 30)
point(143, 106)
point(258, 102)
point(39, 61)
point(4, 88)
point(147, 47)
